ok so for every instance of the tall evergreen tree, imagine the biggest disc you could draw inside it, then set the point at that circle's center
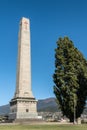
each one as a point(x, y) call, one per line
point(70, 78)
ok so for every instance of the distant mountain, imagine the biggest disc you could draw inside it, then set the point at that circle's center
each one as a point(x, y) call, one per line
point(47, 105)
point(44, 105)
point(5, 109)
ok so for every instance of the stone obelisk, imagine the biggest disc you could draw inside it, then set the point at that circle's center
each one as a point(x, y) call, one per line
point(23, 105)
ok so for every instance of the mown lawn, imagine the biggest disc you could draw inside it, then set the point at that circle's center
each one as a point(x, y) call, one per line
point(43, 127)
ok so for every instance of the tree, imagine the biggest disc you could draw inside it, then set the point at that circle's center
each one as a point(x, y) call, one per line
point(70, 78)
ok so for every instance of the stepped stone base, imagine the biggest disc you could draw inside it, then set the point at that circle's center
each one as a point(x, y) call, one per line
point(23, 108)
point(28, 121)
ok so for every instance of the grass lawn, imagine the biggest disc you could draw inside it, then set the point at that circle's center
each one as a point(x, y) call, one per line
point(43, 127)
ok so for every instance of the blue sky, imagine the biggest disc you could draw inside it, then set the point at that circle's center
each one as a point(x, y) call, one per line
point(50, 19)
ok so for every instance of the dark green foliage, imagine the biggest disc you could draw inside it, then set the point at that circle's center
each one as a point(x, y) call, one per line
point(70, 78)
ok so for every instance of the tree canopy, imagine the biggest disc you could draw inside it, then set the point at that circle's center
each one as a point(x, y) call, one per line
point(70, 78)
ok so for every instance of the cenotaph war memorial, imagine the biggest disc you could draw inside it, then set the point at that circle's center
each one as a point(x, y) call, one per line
point(23, 105)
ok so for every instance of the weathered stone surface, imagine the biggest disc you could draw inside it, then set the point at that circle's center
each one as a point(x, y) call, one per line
point(23, 105)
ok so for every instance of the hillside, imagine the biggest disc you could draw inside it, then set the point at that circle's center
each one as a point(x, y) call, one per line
point(47, 105)
point(4, 110)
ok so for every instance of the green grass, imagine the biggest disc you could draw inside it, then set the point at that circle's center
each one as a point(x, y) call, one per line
point(43, 127)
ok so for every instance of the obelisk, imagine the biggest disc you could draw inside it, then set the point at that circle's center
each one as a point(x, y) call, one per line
point(23, 105)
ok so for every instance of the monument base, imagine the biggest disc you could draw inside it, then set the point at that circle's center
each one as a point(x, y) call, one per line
point(23, 108)
point(33, 120)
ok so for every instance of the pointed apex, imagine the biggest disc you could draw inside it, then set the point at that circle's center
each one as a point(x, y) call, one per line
point(24, 19)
